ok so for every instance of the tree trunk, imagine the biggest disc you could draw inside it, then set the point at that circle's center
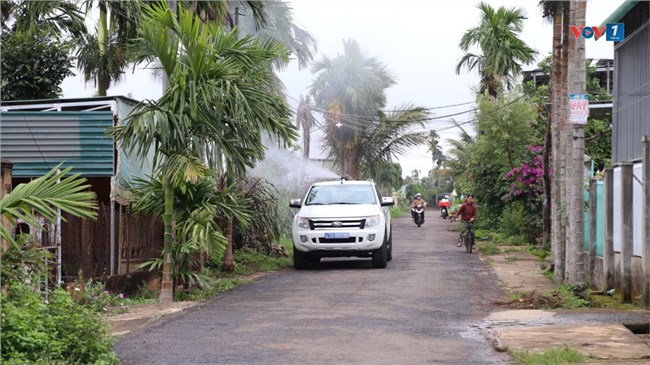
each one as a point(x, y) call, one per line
point(560, 260)
point(167, 285)
point(546, 206)
point(228, 264)
point(575, 274)
point(102, 39)
point(556, 83)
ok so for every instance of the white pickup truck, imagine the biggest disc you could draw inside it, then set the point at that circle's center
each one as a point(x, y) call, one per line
point(339, 219)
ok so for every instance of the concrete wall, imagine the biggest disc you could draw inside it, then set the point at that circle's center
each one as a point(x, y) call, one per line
point(598, 281)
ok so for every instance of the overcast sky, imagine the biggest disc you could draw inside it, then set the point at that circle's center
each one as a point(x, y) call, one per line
point(416, 39)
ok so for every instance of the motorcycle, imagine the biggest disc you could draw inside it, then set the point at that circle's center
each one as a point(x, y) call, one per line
point(444, 213)
point(418, 214)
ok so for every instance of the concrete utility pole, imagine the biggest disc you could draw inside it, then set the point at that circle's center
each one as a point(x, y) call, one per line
point(575, 273)
point(646, 220)
point(609, 263)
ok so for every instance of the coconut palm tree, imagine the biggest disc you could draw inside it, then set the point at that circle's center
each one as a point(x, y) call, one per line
point(218, 101)
point(502, 53)
point(350, 88)
point(389, 137)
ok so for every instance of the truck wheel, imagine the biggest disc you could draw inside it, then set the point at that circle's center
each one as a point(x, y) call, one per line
point(380, 256)
point(300, 260)
point(389, 253)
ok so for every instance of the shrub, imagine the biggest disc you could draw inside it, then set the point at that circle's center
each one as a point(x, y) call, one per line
point(60, 331)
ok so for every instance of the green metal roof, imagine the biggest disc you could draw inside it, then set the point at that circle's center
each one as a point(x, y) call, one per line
point(620, 12)
point(37, 141)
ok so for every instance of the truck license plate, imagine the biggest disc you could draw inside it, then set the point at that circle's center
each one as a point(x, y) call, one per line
point(336, 235)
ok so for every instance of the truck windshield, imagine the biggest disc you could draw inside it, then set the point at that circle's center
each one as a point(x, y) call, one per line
point(341, 194)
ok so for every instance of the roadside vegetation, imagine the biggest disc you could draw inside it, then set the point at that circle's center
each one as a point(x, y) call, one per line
point(559, 356)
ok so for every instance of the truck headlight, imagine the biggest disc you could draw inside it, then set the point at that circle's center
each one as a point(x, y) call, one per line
point(302, 222)
point(372, 221)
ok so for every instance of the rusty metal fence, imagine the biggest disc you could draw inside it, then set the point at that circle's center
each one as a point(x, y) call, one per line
point(86, 244)
point(140, 237)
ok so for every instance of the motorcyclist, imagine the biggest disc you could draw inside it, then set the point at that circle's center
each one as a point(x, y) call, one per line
point(444, 205)
point(467, 213)
point(418, 201)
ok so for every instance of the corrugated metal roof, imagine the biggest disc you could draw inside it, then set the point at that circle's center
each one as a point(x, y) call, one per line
point(620, 12)
point(120, 98)
point(37, 141)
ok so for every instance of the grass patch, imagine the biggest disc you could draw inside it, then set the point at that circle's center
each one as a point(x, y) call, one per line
point(247, 263)
point(562, 296)
point(398, 211)
point(511, 258)
point(217, 286)
point(611, 302)
point(557, 356)
point(489, 248)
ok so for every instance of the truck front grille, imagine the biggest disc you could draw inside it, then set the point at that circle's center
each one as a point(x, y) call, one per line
point(329, 224)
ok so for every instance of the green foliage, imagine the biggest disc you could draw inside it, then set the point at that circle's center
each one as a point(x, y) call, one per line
point(502, 52)
point(43, 195)
point(489, 248)
point(93, 294)
point(260, 198)
point(517, 226)
point(216, 287)
point(24, 263)
point(33, 65)
point(566, 297)
point(598, 141)
point(558, 356)
point(60, 331)
point(480, 164)
point(388, 177)
point(398, 211)
point(598, 131)
point(251, 261)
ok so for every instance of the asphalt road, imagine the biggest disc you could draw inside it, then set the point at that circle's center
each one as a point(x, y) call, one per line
point(422, 309)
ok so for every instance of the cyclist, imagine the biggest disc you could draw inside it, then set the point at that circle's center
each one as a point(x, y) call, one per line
point(467, 213)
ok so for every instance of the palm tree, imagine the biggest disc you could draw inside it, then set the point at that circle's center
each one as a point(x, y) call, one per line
point(57, 17)
point(553, 144)
point(103, 57)
point(218, 101)
point(350, 88)
point(437, 156)
point(279, 26)
point(305, 119)
point(43, 196)
point(502, 52)
point(389, 136)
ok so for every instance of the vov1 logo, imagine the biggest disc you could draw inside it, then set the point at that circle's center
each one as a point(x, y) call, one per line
point(613, 32)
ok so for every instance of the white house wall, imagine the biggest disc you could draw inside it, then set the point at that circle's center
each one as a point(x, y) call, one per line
point(637, 210)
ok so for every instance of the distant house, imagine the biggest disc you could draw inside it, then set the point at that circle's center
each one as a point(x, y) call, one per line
point(605, 75)
point(37, 135)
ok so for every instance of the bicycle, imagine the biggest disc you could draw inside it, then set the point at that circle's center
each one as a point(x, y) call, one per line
point(467, 236)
